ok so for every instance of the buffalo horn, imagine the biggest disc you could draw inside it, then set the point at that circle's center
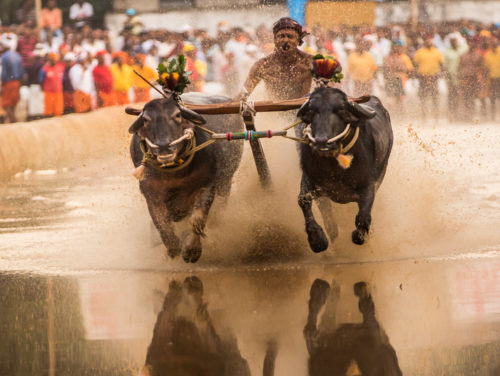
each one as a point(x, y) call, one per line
point(303, 109)
point(192, 116)
point(361, 111)
point(138, 123)
point(132, 111)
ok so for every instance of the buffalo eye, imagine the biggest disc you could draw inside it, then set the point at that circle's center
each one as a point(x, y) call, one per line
point(178, 117)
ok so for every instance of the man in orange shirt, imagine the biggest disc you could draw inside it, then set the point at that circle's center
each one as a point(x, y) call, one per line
point(361, 67)
point(429, 61)
point(141, 88)
point(51, 20)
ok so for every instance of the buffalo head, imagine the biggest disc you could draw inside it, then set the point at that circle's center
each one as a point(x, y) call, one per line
point(329, 112)
point(161, 124)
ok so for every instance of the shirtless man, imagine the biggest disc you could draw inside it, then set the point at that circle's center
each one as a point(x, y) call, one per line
point(285, 72)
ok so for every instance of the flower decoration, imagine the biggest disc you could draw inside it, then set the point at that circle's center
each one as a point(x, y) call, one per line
point(326, 68)
point(172, 75)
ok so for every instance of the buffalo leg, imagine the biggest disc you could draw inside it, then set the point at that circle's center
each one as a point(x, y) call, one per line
point(163, 222)
point(325, 207)
point(317, 299)
point(191, 251)
point(364, 217)
point(315, 234)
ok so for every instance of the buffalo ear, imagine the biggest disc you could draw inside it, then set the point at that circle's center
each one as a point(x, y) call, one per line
point(192, 116)
point(360, 110)
point(137, 124)
point(303, 110)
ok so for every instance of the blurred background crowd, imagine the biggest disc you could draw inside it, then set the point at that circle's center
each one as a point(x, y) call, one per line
point(73, 67)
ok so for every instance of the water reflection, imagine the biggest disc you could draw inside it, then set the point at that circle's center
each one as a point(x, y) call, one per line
point(185, 341)
point(349, 349)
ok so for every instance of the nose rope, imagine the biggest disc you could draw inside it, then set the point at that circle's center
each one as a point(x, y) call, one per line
point(188, 134)
point(339, 136)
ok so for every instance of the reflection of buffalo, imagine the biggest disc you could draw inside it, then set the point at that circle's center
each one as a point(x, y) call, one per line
point(335, 351)
point(185, 341)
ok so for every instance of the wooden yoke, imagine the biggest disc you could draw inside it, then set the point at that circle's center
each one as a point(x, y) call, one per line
point(258, 154)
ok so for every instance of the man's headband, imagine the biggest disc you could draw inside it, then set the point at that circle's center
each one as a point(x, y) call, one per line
point(288, 23)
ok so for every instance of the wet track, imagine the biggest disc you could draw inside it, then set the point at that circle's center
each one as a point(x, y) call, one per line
point(86, 289)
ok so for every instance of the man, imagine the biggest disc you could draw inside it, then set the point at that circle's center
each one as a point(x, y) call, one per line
point(451, 60)
point(12, 74)
point(81, 14)
point(492, 62)
point(395, 71)
point(141, 88)
point(122, 77)
point(285, 72)
point(51, 78)
point(103, 80)
point(429, 61)
point(470, 68)
point(361, 67)
point(51, 20)
point(80, 75)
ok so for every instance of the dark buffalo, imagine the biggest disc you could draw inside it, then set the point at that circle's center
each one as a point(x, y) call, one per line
point(336, 350)
point(328, 111)
point(177, 185)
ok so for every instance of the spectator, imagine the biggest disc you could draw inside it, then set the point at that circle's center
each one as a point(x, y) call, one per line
point(68, 91)
point(51, 20)
point(122, 77)
point(133, 23)
point(103, 81)
point(470, 66)
point(451, 60)
point(429, 62)
point(26, 43)
point(51, 77)
point(82, 82)
point(395, 70)
point(12, 74)
point(361, 68)
point(81, 13)
point(141, 88)
point(35, 64)
point(492, 63)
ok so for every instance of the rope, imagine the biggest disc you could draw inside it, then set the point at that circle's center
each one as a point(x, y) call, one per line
point(179, 163)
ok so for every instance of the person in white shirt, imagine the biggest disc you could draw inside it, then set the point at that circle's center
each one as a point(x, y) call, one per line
point(82, 81)
point(81, 13)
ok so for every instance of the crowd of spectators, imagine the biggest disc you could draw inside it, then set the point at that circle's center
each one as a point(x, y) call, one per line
point(74, 68)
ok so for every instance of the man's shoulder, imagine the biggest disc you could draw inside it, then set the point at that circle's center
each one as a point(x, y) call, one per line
point(304, 56)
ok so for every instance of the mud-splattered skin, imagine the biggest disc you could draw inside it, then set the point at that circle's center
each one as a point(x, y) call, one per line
point(173, 195)
point(285, 72)
point(329, 111)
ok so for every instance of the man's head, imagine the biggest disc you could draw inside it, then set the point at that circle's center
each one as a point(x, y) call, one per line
point(288, 35)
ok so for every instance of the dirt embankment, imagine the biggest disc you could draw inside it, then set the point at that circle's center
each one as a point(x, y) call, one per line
point(52, 143)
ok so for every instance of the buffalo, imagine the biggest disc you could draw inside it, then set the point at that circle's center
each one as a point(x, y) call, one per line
point(344, 160)
point(178, 182)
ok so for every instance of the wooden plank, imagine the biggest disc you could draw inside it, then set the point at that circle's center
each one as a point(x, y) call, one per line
point(234, 107)
point(258, 153)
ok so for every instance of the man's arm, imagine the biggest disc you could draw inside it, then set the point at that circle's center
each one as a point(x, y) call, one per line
point(253, 79)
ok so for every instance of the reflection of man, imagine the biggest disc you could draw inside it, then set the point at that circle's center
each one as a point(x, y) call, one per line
point(285, 72)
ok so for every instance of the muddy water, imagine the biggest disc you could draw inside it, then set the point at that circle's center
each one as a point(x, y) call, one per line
point(85, 283)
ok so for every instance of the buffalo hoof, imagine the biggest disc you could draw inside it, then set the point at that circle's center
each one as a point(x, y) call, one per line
point(192, 249)
point(358, 237)
point(317, 238)
point(174, 249)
